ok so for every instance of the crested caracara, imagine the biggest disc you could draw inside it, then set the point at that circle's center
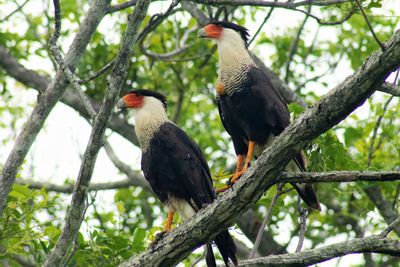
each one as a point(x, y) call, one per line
point(252, 110)
point(174, 165)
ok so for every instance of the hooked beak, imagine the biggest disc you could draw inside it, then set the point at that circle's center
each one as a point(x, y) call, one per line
point(202, 33)
point(121, 104)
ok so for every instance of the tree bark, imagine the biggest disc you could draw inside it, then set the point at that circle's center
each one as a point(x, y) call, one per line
point(328, 112)
point(78, 205)
point(372, 244)
point(47, 100)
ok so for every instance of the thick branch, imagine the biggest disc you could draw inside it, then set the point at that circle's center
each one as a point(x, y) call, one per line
point(372, 244)
point(332, 108)
point(47, 101)
point(78, 206)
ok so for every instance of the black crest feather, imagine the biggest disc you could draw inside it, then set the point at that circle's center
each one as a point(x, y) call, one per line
point(144, 92)
point(244, 32)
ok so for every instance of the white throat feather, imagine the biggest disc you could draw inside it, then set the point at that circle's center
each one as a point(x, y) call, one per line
point(148, 120)
point(232, 49)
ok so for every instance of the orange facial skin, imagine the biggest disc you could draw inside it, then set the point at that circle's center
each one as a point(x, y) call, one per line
point(133, 100)
point(213, 31)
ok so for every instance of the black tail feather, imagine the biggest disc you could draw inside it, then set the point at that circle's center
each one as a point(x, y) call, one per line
point(210, 259)
point(226, 247)
point(307, 193)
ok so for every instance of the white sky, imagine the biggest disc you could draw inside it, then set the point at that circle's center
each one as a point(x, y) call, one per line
point(58, 147)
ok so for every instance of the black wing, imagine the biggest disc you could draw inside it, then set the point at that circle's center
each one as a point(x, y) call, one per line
point(276, 110)
point(230, 125)
point(276, 113)
point(174, 165)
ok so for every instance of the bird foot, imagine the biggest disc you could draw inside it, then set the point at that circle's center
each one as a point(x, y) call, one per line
point(229, 184)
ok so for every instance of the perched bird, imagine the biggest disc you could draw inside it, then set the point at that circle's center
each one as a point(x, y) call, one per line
point(252, 110)
point(174, 165)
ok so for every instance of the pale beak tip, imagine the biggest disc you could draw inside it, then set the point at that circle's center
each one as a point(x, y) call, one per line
point(201, 33)
point(120, 104)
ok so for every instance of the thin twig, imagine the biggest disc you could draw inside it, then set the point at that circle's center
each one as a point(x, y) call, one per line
point(295, 43)
point(119, 7)
point(303, 224)
point(375, 131)
point(156, 20)
point(266, 220)
point(19, 7)
point(104, 69)
point(67, 72)
point(369, 25)
point(390, 227)
point(396, 196)
point(328, 23)
point(262, 24)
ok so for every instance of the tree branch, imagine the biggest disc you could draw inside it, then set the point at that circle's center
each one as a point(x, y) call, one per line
point(294, 45)
point(78, 206)
point(390, 89)
point(266, 220)
point(339, 176)
point(329, 111)
point(286, 4)
point(384, 207)
point(47, 100)
point(69, 188)
point(134, 176)
point(122, 6)
point(369, 25)
point(19, 7)
point(371, 244)
point(249, 223)
point(31, 79)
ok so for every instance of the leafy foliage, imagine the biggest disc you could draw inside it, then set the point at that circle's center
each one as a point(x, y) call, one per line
point(32, 221)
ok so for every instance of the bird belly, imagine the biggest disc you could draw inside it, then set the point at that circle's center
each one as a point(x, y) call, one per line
point(180, 206)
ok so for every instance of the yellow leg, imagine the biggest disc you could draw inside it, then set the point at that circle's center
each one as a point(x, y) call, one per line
point(239, 166)
point(239, 170)
point(168, 223)
point(246, 164)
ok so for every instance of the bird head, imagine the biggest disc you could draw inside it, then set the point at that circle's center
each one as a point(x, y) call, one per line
point(136, 99)
point(223, 31)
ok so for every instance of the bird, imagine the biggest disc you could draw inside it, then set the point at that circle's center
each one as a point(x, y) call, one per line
point(174, 165)
point(252, 110)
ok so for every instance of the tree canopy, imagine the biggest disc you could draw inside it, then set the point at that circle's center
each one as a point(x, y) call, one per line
point(336, 62)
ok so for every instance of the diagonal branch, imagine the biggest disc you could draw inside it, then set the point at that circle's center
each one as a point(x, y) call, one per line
point(47, 100)
point(32, 79)
point(371, 244)
point(328, 112)
point(369, 25)
point(78, 206)
point(265, 221)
